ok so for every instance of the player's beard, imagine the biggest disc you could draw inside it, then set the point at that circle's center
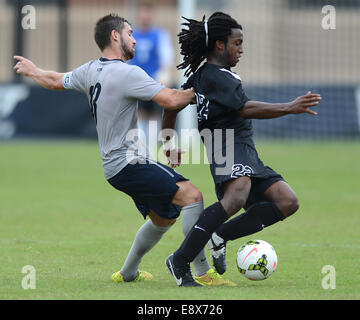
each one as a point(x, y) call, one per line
point(127, 52)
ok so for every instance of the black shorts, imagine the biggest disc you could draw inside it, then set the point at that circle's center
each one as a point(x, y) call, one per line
point(151, 185)
point(245, 162)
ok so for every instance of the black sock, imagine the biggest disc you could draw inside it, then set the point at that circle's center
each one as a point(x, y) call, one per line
point(256, 218)
point(210, 219)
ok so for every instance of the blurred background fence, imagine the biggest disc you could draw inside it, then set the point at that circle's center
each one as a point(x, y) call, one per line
point(291, 46)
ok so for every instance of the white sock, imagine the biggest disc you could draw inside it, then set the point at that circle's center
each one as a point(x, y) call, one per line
point(146, 238)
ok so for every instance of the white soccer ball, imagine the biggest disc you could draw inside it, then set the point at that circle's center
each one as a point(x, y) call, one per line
point(256, 260)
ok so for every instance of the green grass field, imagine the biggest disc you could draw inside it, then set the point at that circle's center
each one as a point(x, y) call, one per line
point(58, 214)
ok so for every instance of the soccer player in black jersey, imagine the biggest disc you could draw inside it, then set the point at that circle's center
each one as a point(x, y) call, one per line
point(222, 104)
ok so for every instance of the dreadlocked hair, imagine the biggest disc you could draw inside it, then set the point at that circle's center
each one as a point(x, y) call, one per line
point(196, 44)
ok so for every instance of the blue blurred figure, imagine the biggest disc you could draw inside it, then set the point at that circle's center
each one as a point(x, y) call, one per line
point(154, 54)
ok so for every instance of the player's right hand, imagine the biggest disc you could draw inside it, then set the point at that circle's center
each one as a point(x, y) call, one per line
point(174, 157)
point(24, 66)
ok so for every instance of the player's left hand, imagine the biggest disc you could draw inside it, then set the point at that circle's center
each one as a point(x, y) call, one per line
point(174, 157)
point(303, 104)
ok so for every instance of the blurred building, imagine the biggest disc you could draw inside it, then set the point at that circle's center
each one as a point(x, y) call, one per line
point(287, 52)
point(284, 40)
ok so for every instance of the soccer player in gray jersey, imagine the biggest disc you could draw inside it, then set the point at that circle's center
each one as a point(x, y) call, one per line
point(114, 88)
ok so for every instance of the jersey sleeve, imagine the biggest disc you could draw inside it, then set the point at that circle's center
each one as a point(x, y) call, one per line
point(139, 85)
point(228, 91)
point(76, 79)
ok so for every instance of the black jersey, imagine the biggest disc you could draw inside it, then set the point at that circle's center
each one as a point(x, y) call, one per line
point(220, 96)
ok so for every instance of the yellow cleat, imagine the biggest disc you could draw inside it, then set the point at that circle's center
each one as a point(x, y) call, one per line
point(142, 276)
point(212, 278)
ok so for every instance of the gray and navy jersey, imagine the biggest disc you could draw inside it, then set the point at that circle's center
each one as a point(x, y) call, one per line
point(113, 88)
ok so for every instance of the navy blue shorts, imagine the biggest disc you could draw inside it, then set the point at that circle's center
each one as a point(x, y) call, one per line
point(151, 185)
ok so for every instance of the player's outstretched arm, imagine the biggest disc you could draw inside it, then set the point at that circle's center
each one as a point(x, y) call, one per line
point(262, 110)
point(47, 79)
point(174, 99)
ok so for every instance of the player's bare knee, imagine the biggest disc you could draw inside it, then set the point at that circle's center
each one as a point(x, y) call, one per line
point(294, 206)
point(187, 194)
point(289, 206)
point(233, 203)
point(194, 195)
point(235, 195)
